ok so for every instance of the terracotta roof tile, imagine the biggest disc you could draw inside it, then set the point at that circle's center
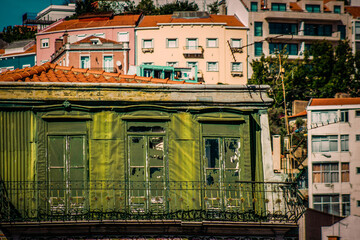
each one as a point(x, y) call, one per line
point(120, 20)
point(32, 49)
point(353, 11)
point(152, 21)
point(53, 73)
point(334, 101)
point(300, 114)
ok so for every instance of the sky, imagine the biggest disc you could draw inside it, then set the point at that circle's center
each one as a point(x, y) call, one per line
point(11, 11)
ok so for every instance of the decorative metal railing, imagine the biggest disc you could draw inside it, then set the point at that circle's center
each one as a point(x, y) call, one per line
point(116, 200)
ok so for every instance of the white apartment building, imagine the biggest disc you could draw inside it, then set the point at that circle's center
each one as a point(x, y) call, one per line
point(334, 155)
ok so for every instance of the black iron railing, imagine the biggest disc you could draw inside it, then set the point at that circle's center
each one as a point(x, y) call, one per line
point(117, 200)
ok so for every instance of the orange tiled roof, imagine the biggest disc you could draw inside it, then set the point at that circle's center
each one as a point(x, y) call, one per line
point(120, 20)
point(31, 49)
point(102, 40)
point(353, 11)
point(152, 21)
point(54, 73)
point(295, 7)
point(334, 101)
point(300, 114)
point(2, 51)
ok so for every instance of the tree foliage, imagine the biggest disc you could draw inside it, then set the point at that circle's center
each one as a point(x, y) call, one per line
point(15, 33)
point(213, 8)
point(324, 71)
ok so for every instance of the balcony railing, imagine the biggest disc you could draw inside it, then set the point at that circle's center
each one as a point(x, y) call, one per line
point(193, 51)
point(115, 200)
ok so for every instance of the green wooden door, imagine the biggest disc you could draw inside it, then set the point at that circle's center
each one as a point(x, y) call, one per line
point(147, 176)
point(67, 173)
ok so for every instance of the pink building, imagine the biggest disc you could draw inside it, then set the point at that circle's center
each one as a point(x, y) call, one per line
point(115, 28)
point(94, 53)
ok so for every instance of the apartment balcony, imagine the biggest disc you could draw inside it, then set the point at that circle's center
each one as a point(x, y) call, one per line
point(335, 36)
point(300, 16)
point(193, 52)
point(114, 208)
point(31, 18)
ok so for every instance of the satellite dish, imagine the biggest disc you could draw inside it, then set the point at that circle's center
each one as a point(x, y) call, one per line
point(118, 63)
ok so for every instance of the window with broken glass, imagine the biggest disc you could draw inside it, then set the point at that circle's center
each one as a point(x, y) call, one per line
point(146, 159)
point(221, 154)
point(67, 166)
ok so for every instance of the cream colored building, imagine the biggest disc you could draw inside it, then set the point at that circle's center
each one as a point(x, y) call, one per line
point(214, 43)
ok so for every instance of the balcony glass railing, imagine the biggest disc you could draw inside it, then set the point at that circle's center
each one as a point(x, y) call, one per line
point(115, 200)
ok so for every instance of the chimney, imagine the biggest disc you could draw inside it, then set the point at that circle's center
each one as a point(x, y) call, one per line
point(65, 38)
point(58, 44)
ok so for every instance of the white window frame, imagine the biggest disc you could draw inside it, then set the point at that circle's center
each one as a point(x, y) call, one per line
point(195, 47)
point(190, 64)
point(45, 43)
point(208, 40)
point(102, 35)
point(236, 69)
point(112, 60)
point(123, 36)
point(168, 40)
point(344, 143)
point(81, 37)
point(148, 40)
point(26, 65)
point(325, 143)
point(172, 64)
point(357, 137)
point(88, 63)
point(234, 40)
point(209, 68)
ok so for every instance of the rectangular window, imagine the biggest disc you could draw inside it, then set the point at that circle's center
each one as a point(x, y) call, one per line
point(44, 43)
point(357, 113)
point(345, 172)
point(325, 143)
point(171, 42)
point(324, 117)
point(236, 67)
point(102, 35)
point(318, 30)
point(212, 66)
point(344, 116)
point(192, 64)
point(147, 43)
point(283, 28)
point(236, 42)
point(327, 203)
point(345, 204)
point(147, 63)
point(81, 36)
point(325, 172)
point(358, 203)
point(357, 137)
point(26, 65)
point(358, 170)
point(254, 7)
point(172, 64)
point(342, 30)
point(84, 62)
point(123, 37)
point(344, 143)
point(337, 9)
point(212, 42)
point(258, 30)
point(108, 64)
point(314, 8)
point(357, 30)
point(278, 7)
point(192, 43)
point(291, 48)
point(258, 48)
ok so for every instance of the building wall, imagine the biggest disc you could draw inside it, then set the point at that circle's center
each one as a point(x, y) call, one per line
point(289, 16)
point(350, 128)
point(17, 61)
point(346, 229)
point(44, 54)
point(73, 58)
point(222, 54)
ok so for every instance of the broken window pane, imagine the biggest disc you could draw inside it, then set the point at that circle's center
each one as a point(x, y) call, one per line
point(212, 152)
point(156, 151)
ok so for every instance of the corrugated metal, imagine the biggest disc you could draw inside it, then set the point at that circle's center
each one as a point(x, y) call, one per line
point(15, 145)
